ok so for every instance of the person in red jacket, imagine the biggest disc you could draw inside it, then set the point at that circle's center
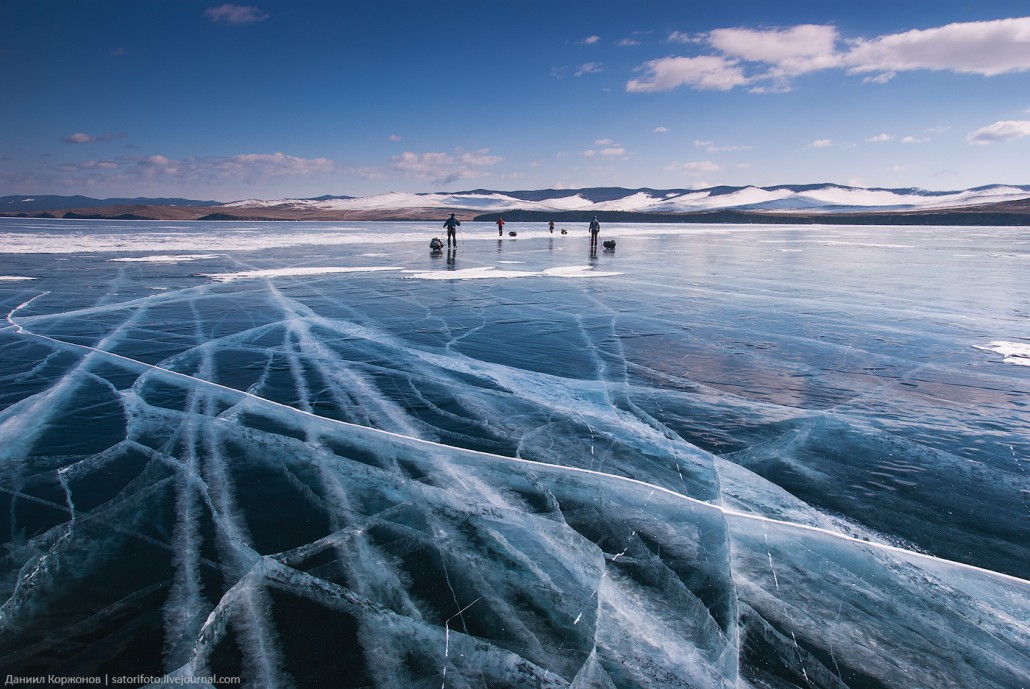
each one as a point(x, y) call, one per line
point(500, 226)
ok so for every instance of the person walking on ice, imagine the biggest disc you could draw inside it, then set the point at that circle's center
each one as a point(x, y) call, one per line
point(500, 226)
point(595, 229)
point(451, 224)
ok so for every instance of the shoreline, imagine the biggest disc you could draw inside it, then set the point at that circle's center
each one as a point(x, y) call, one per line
point(1014, 214)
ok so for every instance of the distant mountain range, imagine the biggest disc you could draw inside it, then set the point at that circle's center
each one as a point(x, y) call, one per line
point(19, 204)
point(826, 203)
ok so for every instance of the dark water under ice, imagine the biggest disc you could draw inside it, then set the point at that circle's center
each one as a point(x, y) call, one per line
point(313, 454)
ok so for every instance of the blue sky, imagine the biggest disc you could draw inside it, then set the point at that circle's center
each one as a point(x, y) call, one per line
point(272, 99)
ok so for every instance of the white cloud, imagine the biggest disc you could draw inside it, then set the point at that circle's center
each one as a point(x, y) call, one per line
point(608, 152)
point(444, 168)
point(705, 72)
point(590, 40)
point(880, 138)
point(913, 140)
point(273, 164)
point(626, 42)
point(588, 68)
point(235, 14)
point(610, 149)
point(767, 60)
point(1005, 130)
point(156, 161)
point(660, 130)
point(394, 137)
point(697, 167)
point(797, 50)
point(987, 48)
point(820, 143)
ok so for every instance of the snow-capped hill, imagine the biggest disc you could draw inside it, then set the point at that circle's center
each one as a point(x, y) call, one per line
point(828, 198)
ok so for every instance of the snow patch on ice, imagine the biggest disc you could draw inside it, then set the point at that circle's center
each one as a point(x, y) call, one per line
point(293, 272)
point(1017, 353)
point(163, 258)
point(12, 278)
point(471, 274)
point(492, 272)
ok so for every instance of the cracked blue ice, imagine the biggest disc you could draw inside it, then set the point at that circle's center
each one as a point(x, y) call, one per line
point(315, 455)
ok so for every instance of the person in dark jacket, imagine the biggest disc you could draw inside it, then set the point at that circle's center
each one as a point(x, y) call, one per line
point(595, 229)
point(451, 224)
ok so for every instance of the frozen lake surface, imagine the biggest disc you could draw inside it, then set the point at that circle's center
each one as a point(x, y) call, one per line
point(313, 454)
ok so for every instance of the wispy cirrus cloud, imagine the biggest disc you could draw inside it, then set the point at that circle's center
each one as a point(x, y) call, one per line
point(444, 168)
point(246, 168)
point(589, 68)
point(768, 60)
point(235, 14)
point(697, 167)
point(682, 37)
point(1002, 131)
point(249, 168)
point(880, 78)
point(84, 138)
point(157, 174)
point(711, 147)
point(89, 165)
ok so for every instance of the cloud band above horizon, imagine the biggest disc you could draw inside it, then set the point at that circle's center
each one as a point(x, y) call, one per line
point(768, 59)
